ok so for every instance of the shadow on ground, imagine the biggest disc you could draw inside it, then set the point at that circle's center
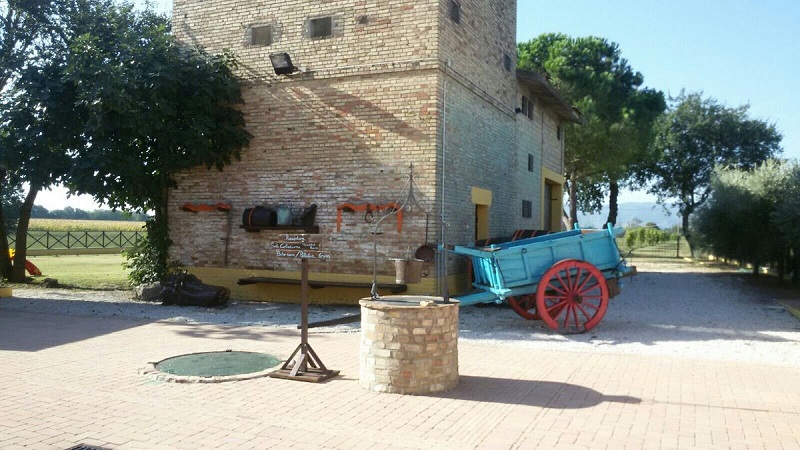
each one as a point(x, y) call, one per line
point(544, 394)
point(31, 332)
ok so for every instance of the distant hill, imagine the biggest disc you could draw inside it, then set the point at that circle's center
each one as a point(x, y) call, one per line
point(646, 212)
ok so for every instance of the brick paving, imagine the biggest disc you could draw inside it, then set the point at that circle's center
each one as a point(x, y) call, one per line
point(70, 380)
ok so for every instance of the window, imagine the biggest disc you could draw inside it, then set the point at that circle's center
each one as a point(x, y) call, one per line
point(530, 162)
point(527, 209)
point(506, 62)
point(455, 11)
point(527, 107)
point(260, 35)
point(320, 27)
point(558, 132)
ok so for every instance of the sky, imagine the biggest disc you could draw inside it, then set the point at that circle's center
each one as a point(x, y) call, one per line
point(736, 51)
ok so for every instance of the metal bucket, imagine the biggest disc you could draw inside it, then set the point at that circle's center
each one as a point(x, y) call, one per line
point(408, 271)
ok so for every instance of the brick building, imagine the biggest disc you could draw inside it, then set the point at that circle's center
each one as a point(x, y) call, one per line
point(379, 85)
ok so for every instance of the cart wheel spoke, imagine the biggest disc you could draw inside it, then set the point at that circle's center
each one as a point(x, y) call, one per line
point(572, 296)
point(524, 305)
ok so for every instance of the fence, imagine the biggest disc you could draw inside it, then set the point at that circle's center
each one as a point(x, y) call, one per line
point(80, 240)
point(674, 248)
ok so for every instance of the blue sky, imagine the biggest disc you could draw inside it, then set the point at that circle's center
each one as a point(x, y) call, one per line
point(737, 51)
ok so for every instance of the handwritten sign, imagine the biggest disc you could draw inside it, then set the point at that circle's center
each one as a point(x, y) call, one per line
point(299, 246)
point(296, 238)
point(304, 254)
point(295, 246)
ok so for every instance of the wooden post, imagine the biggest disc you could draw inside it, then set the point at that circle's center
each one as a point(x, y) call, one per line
point(297, 366)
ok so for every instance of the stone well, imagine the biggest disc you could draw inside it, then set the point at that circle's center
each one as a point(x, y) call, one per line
point(408, 347)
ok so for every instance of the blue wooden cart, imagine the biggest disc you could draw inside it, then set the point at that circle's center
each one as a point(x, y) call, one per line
point(564, 279)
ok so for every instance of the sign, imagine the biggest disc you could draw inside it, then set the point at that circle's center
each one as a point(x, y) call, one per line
point(295, 246)
point(303, 254)
point(298, 246)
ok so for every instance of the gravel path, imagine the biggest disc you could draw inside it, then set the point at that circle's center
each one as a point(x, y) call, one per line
point(674, 309)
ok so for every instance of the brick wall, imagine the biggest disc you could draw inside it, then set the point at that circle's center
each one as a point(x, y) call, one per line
point(367, 104)
point(327, 142)
point(475, 47)
point(480, 152)
point(364, 32)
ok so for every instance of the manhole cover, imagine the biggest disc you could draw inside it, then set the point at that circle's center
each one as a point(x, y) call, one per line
point(213, 366)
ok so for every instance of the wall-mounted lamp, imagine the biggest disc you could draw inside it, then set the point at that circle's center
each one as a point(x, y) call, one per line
point(282, 63)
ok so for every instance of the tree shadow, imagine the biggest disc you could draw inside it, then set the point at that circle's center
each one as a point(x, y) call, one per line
point(543, 394)
point(33, 331)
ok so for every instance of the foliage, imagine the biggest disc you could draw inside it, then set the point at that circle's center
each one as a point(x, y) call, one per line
point(109, 104)
point(618, 113)
point(696, 136)
point(744, 219)
point(84, 225)
point(11, 201)
point(147, 262)
point(647, 236)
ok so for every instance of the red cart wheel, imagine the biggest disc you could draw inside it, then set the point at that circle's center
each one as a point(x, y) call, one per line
point(524, 305)
point(572, 296)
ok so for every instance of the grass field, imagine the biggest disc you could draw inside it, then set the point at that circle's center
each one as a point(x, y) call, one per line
point(84, 225)
point(84, 271)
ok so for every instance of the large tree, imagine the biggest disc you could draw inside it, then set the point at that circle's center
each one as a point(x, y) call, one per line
point(618, 113)
point(737, 220)
point(29, 34)
point(697, 135)
point(115, 107)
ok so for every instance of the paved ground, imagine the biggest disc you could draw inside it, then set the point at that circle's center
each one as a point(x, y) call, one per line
point(66, 380)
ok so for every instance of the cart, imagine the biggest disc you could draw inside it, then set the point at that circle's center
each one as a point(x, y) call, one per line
point(565, 279)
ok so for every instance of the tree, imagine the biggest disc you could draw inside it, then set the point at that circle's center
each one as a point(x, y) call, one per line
point(786, 215)
point(29, 34)
point(693, 138)
point(154, 108)
point(115, 107)
point(618, 113)
point(735, 223)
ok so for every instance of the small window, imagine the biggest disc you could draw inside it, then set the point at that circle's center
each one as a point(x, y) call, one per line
point(530, 109)
point(455, 11)
point(524, 105)
point(321, 27)
point(507, 62)
point(527, 209)
point(260, 35)
point(558, 132)
point(530, 162)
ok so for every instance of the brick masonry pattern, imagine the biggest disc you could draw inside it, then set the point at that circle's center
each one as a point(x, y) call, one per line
point(408, 349)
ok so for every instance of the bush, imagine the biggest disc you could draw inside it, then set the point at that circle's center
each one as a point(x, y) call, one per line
point(647, 236)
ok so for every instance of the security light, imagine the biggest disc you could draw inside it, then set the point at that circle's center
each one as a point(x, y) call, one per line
point(282, 63)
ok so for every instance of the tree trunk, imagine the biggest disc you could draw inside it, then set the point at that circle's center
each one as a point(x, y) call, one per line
point(6, 268)
point(21, 246)
point(613, 206)
point(795, 266)
point(685, 231)
point(573, 200)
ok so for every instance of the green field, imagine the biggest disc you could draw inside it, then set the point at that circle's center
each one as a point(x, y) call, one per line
point(84, 225)
point(84, 271)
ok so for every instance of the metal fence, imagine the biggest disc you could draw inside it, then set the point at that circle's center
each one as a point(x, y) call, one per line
point(676, 248)
point(72, 240)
